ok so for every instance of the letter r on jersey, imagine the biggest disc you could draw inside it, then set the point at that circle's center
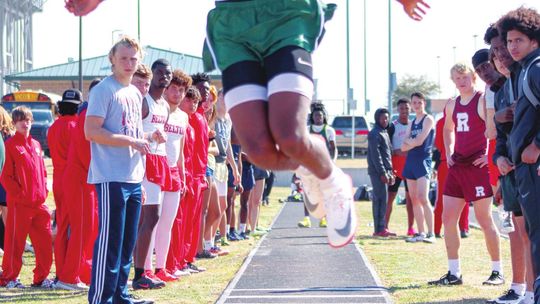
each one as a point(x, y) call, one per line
point(462, 122)
point(480, 191)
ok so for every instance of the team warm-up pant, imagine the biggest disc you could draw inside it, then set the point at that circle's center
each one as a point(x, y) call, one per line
point(119, 207)
point(62, 224)
point(21, 222)
point(81, 206)
point(193, 219)
point(176, 248)
point(528, 183)
point(379, 203)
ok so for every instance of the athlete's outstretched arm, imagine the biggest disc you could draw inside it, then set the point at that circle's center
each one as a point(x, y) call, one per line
point(414, 8)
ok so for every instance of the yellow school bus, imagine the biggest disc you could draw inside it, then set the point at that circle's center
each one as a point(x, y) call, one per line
point(43, 107)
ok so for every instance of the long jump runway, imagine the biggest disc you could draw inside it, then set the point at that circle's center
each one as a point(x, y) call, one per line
point(296, 265)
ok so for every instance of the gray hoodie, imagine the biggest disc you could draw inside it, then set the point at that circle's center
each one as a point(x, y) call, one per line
point(379, 155)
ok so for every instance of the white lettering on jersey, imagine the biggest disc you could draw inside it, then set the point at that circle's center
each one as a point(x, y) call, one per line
point(462, 122)
point(480, 191)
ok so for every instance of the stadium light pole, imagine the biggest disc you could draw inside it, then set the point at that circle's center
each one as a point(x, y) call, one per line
point(365, 60)
point(139, 20)
point(390, 57)
point(80, 56)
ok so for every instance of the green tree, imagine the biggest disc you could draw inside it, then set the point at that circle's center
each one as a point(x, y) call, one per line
point(409, 84)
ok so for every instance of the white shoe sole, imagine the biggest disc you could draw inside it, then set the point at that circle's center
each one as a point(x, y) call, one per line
point(338, 238)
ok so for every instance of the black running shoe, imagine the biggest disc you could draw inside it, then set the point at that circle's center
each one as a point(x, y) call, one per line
point(494, 279)
point(137, 300)
point(243, 236)
point(509, 297)
point(447, 279)
point(147, 281)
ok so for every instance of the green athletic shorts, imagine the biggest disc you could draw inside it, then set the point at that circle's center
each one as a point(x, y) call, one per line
point(252, 30)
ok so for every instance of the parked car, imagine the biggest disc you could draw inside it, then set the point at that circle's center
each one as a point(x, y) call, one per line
point(43, 119)
point(345, 133)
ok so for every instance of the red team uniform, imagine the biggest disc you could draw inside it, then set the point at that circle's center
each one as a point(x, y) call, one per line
point(81, 202)
point(25, 179)
point(464, 179)
point(58, 138)
point(442, 173)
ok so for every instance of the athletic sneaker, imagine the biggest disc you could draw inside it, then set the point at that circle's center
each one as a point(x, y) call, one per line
point(15, 284)
point(323, 223)
point(148, 281)
point(137, 300)
point(206, 254)
point(47, 283)
point(313, 194)
point(447, 279)
point(430, 238)
point(232, 236)
point(464, 234)
point(418, 237)
point(28, 247)
point(165, 276)
point(508, 297)
point(411, 232)
point(243, 236)
point(496, 278)
point(219, 251)
point(305, 223)
point(340, 211)
point(224, 242)
point(196, 268)
point(71, 286)
point(181, 273)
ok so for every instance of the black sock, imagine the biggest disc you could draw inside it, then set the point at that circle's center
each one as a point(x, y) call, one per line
point(138, 273)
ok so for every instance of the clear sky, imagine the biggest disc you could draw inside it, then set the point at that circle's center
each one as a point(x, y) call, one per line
point(179, 25)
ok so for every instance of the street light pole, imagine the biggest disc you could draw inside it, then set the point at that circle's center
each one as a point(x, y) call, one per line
point(139, 20)
point(365, 60)
point(348, 59)
point(80, 55)
point(390, 57)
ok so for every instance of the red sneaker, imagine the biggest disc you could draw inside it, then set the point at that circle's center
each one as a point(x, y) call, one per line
point(165, 276)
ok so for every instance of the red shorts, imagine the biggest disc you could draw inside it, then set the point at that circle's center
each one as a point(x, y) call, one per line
point(468, 182)
point(398, 163)
point(493, 170)
point(173, 182)
point(157, 169)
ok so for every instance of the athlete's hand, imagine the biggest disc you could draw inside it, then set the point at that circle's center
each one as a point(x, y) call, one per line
point(391, 180)
point(505, 165)
point(159, 136)
point(450, 162)
point(384, 179)
point(239, 188)
point(81, 7)
point(498, 196)
point(530, 154)
point(413, 8)
point(143, 195)
point(141, 145)
point(506, 114)
point(481, 162)
point(237, 178)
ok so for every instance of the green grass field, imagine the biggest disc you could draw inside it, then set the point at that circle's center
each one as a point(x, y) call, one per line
point(403, 268)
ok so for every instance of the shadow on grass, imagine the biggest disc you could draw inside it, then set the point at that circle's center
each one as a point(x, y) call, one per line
point(43, 295)
point(465, 301)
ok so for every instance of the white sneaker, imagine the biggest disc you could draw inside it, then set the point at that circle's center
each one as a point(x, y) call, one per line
point(47, 283)
point(181, 273)
point(429, 238)
point(28, 247)
point(14, 284)
point(340, 211)
point(418, 237)
point(313, 194)
point(69, 286)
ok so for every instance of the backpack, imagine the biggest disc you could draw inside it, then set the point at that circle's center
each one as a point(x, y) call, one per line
point(363, 193)
point(526, 86)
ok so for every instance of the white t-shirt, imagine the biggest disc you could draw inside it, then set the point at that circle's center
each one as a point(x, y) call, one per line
point(175, 130)
point(120, 106)
point(490, 98)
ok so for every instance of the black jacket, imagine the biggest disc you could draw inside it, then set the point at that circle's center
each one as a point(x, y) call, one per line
point(504, 98)
point(379, 153)
point(526, 127)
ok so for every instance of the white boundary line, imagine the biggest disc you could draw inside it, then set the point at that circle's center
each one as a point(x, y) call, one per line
point(227, 292)
point(374, 274)
point(330, 296)
point(314, 289)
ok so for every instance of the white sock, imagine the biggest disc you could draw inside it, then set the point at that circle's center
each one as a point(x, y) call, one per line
point(455, 267)
point(212, 243)
point(497, 266)
point(518, 288)
point(529, 297)
point(242, 227)
point(207, 244)
point(227, 228)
